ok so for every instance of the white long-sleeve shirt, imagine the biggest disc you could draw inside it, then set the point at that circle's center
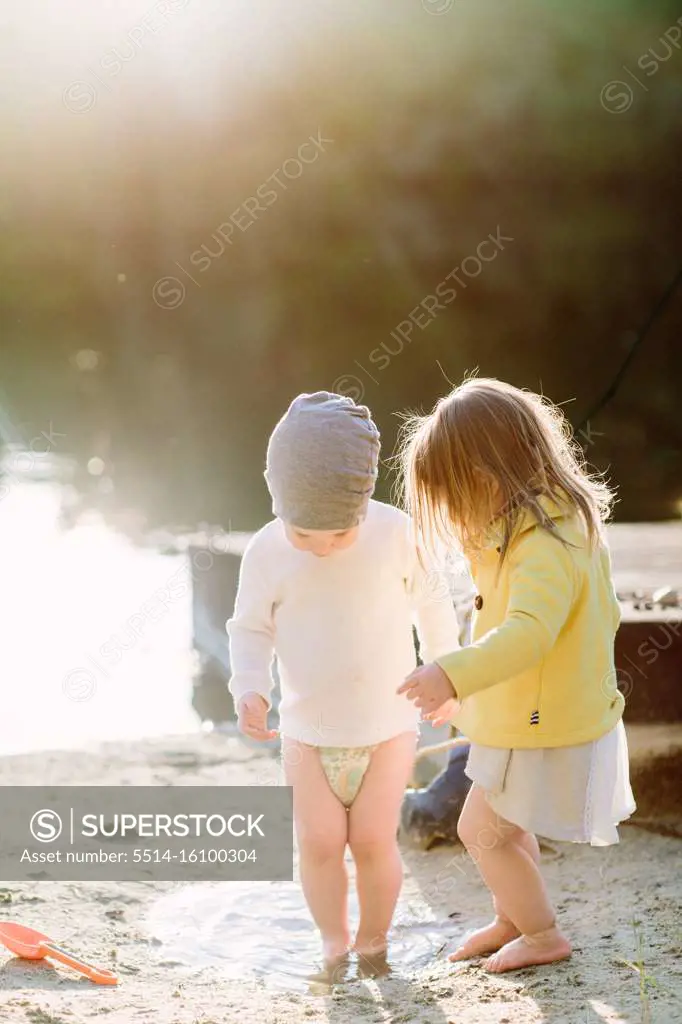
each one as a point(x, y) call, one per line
point(341, 629)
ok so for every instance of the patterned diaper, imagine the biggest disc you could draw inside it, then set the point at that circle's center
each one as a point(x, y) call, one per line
point(345, 769)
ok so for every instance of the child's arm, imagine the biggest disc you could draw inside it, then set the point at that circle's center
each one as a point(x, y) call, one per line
point(617, 613)
point(251, 631)
point(541, 594)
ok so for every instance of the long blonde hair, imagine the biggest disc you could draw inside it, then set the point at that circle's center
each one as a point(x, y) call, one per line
point(488, 452)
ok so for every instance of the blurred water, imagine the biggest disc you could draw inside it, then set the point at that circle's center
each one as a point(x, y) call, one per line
point(96, 634)
point(263, 930)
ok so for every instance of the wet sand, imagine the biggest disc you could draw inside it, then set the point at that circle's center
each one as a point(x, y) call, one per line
point(620, 907)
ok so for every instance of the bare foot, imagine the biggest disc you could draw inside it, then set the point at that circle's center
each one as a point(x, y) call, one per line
point(486, 940)
point(370, 947)
point(333, 972)
point(374, 965)
point(526, 951)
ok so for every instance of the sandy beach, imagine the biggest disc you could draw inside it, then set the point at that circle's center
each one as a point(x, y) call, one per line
point(210, 965)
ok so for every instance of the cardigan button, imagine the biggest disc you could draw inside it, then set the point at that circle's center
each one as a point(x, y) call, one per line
point(478, 602)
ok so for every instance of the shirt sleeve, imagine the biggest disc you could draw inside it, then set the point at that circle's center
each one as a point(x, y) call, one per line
point(251, 630)
point(616, 613)
point(434, 609)
point(541, 595)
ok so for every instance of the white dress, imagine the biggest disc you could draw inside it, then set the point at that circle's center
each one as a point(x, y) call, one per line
point(576, 794)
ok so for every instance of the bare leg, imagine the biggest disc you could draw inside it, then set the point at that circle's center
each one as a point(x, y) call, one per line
point(508, 862)
point(501, 930)
point(373, 826)
point(322, 833)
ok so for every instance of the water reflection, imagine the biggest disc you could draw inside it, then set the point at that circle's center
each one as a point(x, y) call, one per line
point(264, 931)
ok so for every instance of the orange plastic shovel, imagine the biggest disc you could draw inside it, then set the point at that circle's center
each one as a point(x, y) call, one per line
point(32, 945)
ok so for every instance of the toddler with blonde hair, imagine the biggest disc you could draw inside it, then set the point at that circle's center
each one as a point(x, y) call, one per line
point(494, 472)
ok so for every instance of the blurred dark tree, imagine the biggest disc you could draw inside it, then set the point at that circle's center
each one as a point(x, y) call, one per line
point(444, 129)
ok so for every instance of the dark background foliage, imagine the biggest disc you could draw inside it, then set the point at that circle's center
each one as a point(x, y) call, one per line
point(444, 128)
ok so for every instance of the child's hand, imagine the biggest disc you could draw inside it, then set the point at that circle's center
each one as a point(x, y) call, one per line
point(429, 688)
point(252, 717)
point(445, 713)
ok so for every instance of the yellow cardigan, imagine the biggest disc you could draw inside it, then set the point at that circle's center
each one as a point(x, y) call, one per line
point(540, 669)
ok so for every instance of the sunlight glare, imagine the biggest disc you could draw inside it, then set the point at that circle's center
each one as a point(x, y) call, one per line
point(89, 652)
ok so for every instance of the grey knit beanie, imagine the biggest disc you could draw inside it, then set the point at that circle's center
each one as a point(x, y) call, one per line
point(322, 462)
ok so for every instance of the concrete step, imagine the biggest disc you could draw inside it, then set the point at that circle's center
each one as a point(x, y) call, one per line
point(647, 740)
point(656, 775)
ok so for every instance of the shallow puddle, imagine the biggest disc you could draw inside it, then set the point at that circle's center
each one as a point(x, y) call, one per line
point(264, 931)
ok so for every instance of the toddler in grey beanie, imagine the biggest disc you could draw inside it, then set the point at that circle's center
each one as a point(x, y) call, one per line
point(322, 462)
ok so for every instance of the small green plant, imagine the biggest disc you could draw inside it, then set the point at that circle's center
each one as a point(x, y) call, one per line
point(38, 1016)
point(646, 980)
